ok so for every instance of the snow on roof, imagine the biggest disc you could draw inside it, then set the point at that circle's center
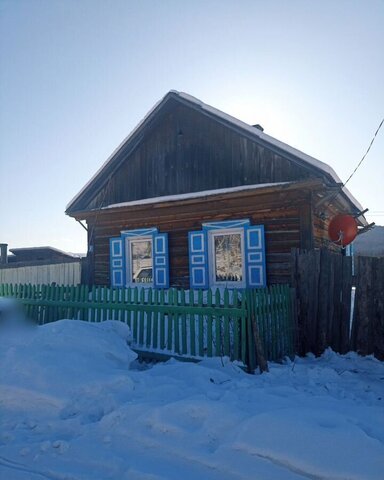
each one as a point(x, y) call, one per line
point(187, 196)
point(234, 122)
point(21, 250)
point(124, 142)
point(272, 141)
point(263, 136)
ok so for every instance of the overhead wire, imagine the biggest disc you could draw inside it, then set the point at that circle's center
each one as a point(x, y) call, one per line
point(358, 165)
point(366, 153)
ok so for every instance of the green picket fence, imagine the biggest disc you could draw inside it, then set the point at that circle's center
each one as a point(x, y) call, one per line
point(188, 324)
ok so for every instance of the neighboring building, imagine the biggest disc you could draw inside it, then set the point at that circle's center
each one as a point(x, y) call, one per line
point(194, 197)
point(39, 265)
point(371, 244)
point(40, 254)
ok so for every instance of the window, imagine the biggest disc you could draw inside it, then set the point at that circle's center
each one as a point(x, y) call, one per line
point(227, 254)
point(139, 258)
point(226, 250)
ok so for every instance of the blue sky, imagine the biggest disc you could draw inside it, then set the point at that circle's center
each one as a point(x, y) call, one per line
point(77, 75)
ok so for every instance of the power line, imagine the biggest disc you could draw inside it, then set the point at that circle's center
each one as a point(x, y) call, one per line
point(358, 165)
point(366, 153)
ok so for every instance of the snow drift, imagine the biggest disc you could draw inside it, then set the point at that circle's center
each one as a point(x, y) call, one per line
point(77, 405)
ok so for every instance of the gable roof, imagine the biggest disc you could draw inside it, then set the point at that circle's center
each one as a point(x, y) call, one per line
point(278, 147)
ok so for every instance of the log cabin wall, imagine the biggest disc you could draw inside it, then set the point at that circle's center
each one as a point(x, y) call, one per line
point(285, 216)
point(320, 227)
point(183, 151)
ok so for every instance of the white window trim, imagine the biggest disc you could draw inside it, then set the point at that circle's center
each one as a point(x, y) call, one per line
point(211, 258)
point(128, 256)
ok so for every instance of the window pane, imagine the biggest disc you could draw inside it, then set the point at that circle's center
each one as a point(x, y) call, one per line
point(228, 258)
point(141, 251)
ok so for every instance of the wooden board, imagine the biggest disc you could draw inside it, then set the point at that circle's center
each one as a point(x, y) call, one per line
point(280, 217)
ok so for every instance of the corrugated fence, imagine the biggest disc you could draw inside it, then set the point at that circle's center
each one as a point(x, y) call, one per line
point(68, 273)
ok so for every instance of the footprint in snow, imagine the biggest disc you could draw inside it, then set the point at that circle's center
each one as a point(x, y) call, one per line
point(60, 445)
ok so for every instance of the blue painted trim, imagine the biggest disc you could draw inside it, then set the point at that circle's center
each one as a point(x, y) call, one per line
point(160, 257)
point(117, 278)
point(198, 259)
point(141, 232)
point(160, 261)
point(198, 242)
point(255, 256)
point(116, 247)
point(159, 244)
point(117, 262)
point(226, 224)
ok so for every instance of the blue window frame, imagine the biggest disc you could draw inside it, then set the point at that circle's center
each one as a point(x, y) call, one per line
point(139, 258)
point(227, 254)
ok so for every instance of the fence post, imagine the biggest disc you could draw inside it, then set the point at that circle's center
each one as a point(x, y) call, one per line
point(255, 349)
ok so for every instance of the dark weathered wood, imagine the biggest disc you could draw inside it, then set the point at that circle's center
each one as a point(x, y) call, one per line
point(312, 285)
point(368, 322)
point(180, 152)
point(323, 301)
point(334, 331)
point(331, 295)
point(282, 227)
point(322, 282)
point(360, 337)
point(182, 148)
point(326, 278)
point(306, 227)
point(345, 313)
point(306, 269)
point(378, 310)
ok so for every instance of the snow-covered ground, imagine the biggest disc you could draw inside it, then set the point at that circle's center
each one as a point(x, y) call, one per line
point(75, 404)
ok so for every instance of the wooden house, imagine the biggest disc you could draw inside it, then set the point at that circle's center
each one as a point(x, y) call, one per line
point(196, 198)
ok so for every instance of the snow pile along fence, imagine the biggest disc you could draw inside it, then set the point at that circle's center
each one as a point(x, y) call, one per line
point(187, 324)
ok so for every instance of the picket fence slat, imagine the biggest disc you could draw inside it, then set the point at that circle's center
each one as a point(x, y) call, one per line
point(190, 324)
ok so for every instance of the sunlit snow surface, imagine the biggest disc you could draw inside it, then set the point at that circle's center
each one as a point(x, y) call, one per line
point(75, 404)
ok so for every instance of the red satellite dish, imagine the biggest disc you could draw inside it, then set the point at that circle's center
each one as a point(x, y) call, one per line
point(342, 230)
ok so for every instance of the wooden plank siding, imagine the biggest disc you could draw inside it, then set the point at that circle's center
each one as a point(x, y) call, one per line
point(280, 213)
point(184, 151)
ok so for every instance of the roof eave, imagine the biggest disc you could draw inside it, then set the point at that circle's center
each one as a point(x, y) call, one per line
point(198, 196)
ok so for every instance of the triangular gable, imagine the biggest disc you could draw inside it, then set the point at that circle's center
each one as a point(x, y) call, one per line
point(130, 142)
